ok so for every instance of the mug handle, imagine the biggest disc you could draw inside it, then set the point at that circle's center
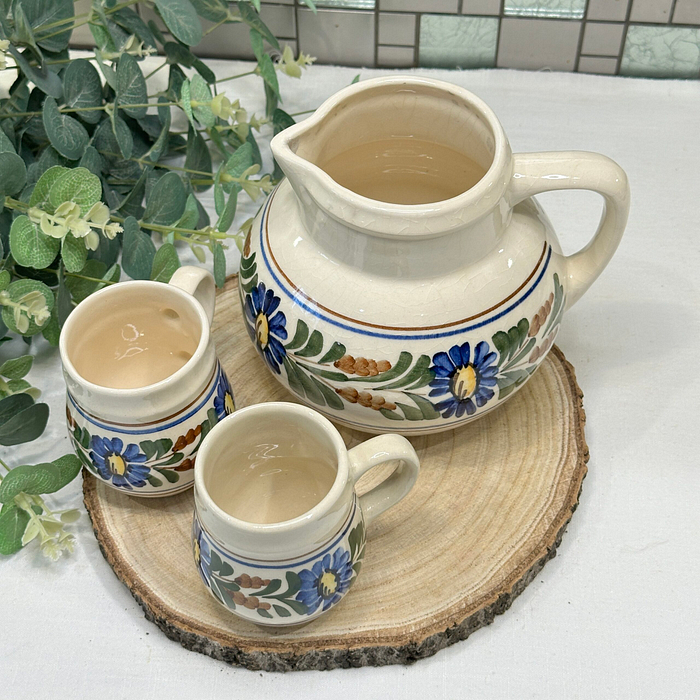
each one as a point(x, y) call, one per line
point(200, 284)
point(578, 170)
point(374, 452)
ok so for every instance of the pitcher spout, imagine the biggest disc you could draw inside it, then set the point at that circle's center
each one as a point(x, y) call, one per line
point(386, 108)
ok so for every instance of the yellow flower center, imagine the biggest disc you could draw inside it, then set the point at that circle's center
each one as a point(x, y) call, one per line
point(197, 553)
point(328, 584)
point(228, 403)
point(464, 382)
point(262, 330)
point(116, 464)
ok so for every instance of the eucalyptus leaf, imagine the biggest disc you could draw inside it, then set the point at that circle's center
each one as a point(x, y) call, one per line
point(138, 251)
point(40, 75)
point(166, 202)
point(13, 523)
point(13, 173)
point(123, 135)
point(92, 160)
point(17, 290)
point(48, 18)
point(82, 89)
point(229, 212)
point(200, 95)
point(198, 157)
point(30, 246)
point(81, 289)
point(40, 194)
point(77, 185)
point(252, 19)
point(67, 135)
point(165, 263)
point(181, 19)
point(130, 20)
point(73, 253)
point(12, 405)
point(131, 87)
point(17, 367)
point(213, 10)
point(26, 426)
point(219, 265)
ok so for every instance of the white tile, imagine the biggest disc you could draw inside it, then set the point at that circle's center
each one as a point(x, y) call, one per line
point(280, 20)
point(435, 6)
point(481, 7)
point(651, 10)
point(534, 44)
point(337, 36)
point(395, 56)
point(597, 64)
point(397, 29)
point(602, 39)
point(608, 10)
point(686, 12)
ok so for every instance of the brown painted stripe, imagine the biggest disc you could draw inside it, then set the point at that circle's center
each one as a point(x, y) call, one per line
point(393, 328)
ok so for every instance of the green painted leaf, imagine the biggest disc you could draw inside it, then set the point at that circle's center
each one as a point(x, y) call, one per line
point(300, 336)
point(24, 427)
point(166, 201)
point(253, 20)
point(557, 306)
point(219, 265)
point(138, 251)
point(31, 247)
point(216, 562)
point(73, 253)
point(420, 375)
point(165, 263)
point(212, 416)
point(293, 584)
point(131, 87)
point(181, 19)
point(77, 185)
point(332, 399)
point(50, 20)
point(313, 347)
point(391, 415)
point(67, 135)
point(40, 193)
point(13, 523)
point(402, 364)
point(282, 612)
point(154, 481)
point(17, 367)
point(172, 476)
point(501, 342)
point(335, 352)
point(527, 348)
point(264, 613)
point(13, 173)
point(425, 405)
point(293, 377)
point(410, 412)
point(149, 448)
point(82, 88)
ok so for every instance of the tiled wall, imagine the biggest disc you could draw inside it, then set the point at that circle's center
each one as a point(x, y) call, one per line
point(653, 38)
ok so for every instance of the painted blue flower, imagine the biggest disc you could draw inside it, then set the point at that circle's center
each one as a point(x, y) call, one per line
point(125, 467)
point(202, 553)
point(223, 401)
point(467, 380)
point(326, 582)
point(265, 329)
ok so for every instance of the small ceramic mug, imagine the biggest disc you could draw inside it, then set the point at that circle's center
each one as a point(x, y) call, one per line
point(290, 572)
point(143, 441)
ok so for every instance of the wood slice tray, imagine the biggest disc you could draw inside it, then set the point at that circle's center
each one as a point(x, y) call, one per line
point(488, 511)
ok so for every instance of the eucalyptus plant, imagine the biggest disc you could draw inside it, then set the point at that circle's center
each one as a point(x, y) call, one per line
point(95, 181)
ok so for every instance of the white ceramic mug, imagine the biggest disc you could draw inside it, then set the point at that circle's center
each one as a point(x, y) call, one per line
point(144, 441)
point(287, 573)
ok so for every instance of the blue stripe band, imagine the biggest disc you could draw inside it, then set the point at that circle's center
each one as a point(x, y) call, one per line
point(390, 336)
point(154, 429)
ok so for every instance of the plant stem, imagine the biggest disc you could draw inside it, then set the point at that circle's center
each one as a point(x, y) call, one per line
point(2, 463)
point(233, 77)
point(215, 26)
point(155, 70)
point(145, 161)
point(298, 114)
point(83, 21)
point(64, 110)
point(89, 279)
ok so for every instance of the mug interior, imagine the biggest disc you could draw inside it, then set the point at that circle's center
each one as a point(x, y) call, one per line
point(169, 303)
point(268, 464)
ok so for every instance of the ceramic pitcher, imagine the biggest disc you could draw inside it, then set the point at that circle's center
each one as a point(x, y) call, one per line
point(416, 318)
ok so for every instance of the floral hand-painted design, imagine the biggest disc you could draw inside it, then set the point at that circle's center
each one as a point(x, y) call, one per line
point(223, 401)
point(326, 581)
point(467, 380)
point(125, 467)
point(266, 328)
point(458, 381)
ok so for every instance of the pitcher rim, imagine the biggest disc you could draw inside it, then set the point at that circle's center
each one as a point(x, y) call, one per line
point(493, 177)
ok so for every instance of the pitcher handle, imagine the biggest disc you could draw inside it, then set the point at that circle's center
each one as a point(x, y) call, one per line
point(200, 284)
point(374, 452)
point(578, 170)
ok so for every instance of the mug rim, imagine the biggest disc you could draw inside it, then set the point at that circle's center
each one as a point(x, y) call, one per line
point(135, 392)
point(310, 515)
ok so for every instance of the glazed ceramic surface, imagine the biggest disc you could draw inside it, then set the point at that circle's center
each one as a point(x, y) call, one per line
point(416, 318)
point(291, 572)
point(144, 441)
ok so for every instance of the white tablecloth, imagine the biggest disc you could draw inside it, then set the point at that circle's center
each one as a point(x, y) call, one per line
point(616, 613)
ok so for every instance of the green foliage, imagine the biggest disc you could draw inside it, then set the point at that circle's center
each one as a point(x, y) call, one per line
point(89, 170)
